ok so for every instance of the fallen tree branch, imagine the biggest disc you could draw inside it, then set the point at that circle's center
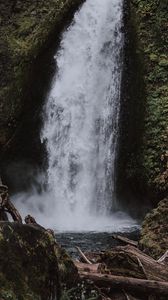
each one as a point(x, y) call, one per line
point(130, 284)
point(142, 267)
point(125, 240)
point(83, 256)
point(6, 206)
point(164, 258)
point(13, 211)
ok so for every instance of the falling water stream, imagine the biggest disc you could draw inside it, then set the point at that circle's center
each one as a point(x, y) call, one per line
point(80, 129)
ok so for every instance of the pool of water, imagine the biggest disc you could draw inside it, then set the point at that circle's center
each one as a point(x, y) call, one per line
point(91, 241)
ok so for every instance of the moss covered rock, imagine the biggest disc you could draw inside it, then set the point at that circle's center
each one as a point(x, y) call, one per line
point(34, 267)
point(28, 264)
point(154, 233)
point(27, 29)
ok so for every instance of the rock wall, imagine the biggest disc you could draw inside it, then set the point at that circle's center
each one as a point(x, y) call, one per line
point(27, 30)
point(144, 129)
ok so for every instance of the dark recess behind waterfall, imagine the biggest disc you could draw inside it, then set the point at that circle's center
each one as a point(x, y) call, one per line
point(130, 189)
point(27, 156)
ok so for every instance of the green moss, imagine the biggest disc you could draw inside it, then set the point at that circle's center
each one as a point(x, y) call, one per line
point(154, 237)
point(153, 57)
point(150, 26)
point(163, 62)
point(28, 265)
point(34, 266)
point(67, 270)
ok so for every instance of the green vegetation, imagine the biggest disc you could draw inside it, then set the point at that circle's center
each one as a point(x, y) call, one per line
point(149, 23)
point(28, 264)
point(154, 236)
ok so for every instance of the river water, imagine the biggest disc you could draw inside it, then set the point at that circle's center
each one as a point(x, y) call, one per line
point(91, 241)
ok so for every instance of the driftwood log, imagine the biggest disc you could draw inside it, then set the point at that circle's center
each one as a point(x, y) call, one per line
point(142, 286)
point(164, 258)
point(129, 271)
point(83, 256)
point(125, 240)
point(6, 206)
point(83, 267)
point(132, 262)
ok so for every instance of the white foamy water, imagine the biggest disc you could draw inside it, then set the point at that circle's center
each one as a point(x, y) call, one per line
point(39, 207)
point(81, 124)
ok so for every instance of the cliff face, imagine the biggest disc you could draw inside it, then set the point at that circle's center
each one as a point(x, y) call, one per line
point(145, 145)
point(27, 29)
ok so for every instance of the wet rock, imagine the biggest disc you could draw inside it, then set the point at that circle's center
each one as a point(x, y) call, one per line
point(33, 265)
point(28, 264)
point(67, 271)
point(154, 234)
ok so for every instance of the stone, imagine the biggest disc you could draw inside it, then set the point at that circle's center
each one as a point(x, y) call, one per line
point(154, 233)
point(28, 264)
point(32, 264)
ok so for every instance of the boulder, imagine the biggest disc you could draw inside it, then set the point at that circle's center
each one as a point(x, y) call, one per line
point(154, 233)
point(33, 266)
point(28, 264)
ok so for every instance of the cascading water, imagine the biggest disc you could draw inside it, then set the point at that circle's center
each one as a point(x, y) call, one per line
point(81, 120)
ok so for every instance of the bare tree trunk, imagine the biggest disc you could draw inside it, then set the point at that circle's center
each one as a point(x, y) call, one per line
point(6, 206)
point(146, 287)
point(13, 211)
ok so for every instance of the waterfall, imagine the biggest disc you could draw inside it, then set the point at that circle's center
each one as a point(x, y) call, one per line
point(81, 118)
point(81, 114)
